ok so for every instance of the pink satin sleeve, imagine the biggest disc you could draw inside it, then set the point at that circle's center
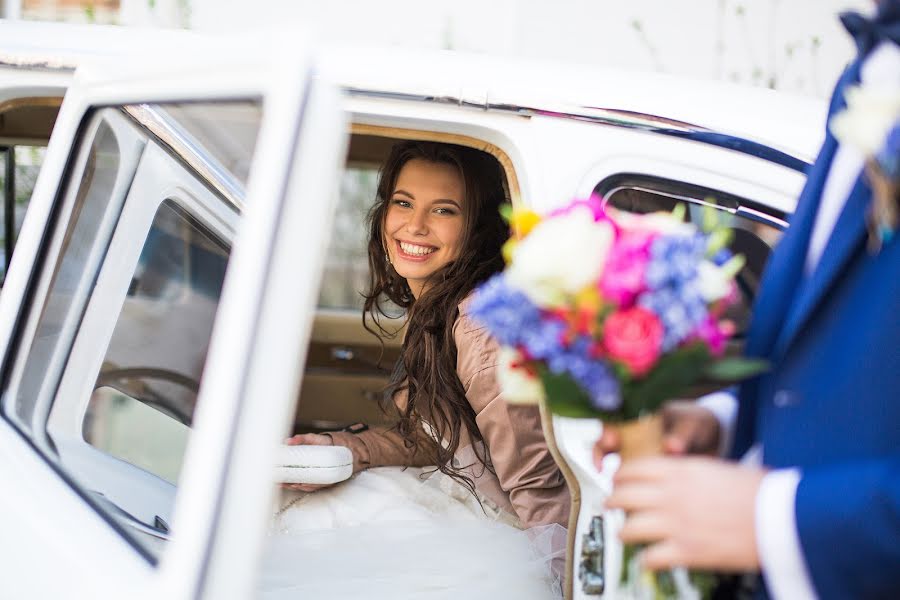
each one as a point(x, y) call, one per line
point(512, 433)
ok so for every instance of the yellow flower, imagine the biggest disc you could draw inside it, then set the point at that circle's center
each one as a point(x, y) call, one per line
point(523, 221)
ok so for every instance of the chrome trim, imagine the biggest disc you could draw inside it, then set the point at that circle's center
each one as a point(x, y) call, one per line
point(36, 63)
point(691, 199)
point(180, 141)
point(761, 217)
point(607, 116)
point(740, 210)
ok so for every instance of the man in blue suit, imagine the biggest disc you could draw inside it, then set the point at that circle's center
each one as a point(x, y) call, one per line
point(817, 511)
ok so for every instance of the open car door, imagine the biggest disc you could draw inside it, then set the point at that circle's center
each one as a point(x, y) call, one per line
point(164, 286)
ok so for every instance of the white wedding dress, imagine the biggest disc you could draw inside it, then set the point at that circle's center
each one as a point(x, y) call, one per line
point(393, 533)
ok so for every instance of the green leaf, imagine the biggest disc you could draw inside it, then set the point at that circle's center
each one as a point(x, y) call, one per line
point(506, 211)
point(565, 397)
point(673, 373)
point(730, 370)
point(718, 239)
point(734, 266)
point(710, 216)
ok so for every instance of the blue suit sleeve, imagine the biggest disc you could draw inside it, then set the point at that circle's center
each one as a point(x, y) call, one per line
point(848, 519)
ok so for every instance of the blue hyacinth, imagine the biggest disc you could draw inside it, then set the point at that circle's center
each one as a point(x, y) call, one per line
point(889, 156)
point(505, 311)
point(515, 321)
point(673, 287)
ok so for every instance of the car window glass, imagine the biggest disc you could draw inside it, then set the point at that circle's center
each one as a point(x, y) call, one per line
point(113, 348)
point(158, 347)
point(19, 167)
point(226, 131)
point(754, 237)
point(97, 201)
point(346, 263)
point(134, 431)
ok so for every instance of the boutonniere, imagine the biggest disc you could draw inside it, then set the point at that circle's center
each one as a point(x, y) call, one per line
point(871, 123)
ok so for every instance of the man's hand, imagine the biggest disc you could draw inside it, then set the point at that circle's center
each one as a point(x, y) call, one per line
point(689, 429)
point(308, 439)
point(691, 511)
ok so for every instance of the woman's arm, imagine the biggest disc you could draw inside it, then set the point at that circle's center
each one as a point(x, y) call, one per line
point(383, 447)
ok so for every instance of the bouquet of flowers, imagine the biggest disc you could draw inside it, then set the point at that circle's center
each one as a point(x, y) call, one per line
point(608, 314)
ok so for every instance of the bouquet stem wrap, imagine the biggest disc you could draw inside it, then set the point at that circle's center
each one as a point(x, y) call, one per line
point(639, 438)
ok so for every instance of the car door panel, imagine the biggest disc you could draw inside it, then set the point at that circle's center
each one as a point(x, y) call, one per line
point(203, 554)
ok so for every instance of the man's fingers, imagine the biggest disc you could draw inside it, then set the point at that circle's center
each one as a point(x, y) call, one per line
point(607, 443)
point(663, 555)
point(644, 527)
point(675, 445)
point(645, 469)
point(636, 496)
point(609, 439)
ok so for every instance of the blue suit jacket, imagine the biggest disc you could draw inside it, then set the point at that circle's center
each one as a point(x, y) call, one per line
point(831, 402)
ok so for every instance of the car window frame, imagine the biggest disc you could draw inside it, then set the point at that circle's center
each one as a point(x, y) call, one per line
point(277, 70)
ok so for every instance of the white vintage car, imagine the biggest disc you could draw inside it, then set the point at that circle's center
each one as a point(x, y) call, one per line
point(182, 293)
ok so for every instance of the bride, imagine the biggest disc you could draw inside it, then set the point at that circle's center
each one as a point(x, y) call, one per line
point(460, 498)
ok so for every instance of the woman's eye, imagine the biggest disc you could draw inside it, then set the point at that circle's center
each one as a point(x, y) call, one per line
point(399, 202)
point(445, 211)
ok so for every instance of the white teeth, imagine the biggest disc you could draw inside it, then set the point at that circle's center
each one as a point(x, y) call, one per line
point(416, 250)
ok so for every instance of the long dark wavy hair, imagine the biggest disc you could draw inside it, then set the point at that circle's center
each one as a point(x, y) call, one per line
point(427, 364)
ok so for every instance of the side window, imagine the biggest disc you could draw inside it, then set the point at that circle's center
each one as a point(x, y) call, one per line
point(756, 228)
point(94, 205)
point(143, 400)
point(110, 356)
point(346, 264)
point(19, 167)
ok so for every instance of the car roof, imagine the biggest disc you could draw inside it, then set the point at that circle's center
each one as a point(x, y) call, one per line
point(64, 46)
point(786, 122)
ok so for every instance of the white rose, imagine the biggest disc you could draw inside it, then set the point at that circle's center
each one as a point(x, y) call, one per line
point(714, 282)
point(560, 257)
point(517, 385)
point(870, 114)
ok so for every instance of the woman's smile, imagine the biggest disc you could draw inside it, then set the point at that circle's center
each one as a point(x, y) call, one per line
point(413, 251)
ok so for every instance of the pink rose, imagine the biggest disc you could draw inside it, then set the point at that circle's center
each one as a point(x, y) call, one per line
point(623, 276)
point(634, 337)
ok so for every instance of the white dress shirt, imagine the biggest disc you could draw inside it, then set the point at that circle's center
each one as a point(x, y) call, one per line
point(780, 553)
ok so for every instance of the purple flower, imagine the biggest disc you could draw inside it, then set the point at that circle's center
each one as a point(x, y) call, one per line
point(722, 256)
point(888, 157)
point(543, 339)
point(515, 321)
point(673, 286)
point(623, 275)
point(505, 311)
point(591, 374)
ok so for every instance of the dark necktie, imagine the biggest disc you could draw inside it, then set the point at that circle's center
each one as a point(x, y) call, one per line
point(868, 33)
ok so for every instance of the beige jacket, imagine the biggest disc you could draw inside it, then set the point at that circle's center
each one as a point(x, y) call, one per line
point(527, 482)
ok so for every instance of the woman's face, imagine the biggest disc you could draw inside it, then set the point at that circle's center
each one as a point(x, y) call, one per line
point(423, 227)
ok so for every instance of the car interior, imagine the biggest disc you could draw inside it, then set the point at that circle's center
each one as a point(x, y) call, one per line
point(140, 411)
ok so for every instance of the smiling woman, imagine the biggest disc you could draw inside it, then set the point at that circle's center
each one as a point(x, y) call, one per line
point(435, 233)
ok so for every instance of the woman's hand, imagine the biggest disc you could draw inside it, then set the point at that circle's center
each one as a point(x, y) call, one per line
point(308, 439)
point(689, 429)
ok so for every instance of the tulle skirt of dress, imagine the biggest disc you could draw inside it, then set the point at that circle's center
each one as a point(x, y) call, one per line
point(391, 533)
